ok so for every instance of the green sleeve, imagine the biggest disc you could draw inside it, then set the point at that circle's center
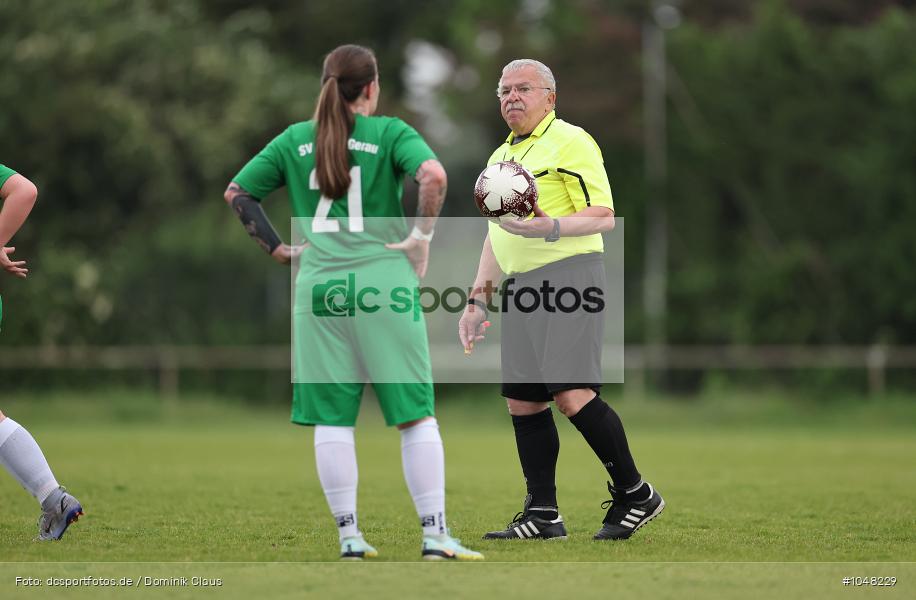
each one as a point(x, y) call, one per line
point(265, 172)
point(5, 173)
point(409, 149)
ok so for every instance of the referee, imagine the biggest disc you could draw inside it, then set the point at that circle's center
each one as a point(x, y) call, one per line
point(551, 354)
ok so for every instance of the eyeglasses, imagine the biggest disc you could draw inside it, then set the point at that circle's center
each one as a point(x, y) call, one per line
point(522, 90)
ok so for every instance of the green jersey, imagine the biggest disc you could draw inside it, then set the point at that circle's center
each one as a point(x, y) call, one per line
point(340, 230)
point(5, 173)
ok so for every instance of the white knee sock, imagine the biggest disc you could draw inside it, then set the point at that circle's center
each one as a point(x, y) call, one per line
point(22, 457)
point(424, 469)
point(335, 455)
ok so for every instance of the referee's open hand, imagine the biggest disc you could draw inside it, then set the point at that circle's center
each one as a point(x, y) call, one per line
point(538, 226)
point(471, 327)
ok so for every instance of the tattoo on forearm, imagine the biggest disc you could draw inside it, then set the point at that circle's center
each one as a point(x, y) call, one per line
point(431, 194)
point(253, 218)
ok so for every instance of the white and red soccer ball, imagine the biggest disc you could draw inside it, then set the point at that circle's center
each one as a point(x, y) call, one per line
point(506, 191)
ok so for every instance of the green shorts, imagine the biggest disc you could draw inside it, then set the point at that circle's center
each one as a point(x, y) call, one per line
point(338, 403)
point(355, 326)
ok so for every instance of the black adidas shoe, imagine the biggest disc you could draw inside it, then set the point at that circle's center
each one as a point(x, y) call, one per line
point(624, 516)
point(527, 526)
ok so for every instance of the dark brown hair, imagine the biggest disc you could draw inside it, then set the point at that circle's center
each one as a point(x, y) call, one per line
point(347, 71)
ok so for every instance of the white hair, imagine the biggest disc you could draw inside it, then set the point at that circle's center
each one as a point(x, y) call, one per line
point(542, 70)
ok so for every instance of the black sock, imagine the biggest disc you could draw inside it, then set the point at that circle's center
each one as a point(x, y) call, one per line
point(639, 494)
point(602, 429)
point(538, 448)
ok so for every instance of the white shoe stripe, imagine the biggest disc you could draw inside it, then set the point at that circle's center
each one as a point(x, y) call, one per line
point(533, 528)
point(519, 533)
point(525, 529)
point(632, 518)
point(641, 513)
point(627, 524)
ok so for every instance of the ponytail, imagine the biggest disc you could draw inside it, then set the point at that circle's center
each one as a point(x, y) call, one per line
point(347, 71)
point(334, 123)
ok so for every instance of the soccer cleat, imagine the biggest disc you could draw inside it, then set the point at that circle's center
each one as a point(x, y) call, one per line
point(526, 526)
point(356, 548)
point(54, 522)
point(445, 547)
point(625, 517)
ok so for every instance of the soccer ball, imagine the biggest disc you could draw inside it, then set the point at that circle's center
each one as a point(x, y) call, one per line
point(506, 191)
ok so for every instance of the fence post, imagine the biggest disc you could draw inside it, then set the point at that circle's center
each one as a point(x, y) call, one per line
point(168, 375)
point(876, 363)
point(634, 385)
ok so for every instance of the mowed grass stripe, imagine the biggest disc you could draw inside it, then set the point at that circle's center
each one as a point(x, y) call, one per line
point(234, 490)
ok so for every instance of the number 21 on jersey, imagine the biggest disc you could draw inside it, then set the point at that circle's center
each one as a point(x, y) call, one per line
point(322, 223)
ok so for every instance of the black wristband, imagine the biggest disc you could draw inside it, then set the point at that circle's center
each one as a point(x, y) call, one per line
point(480, 305)
point(256, 222)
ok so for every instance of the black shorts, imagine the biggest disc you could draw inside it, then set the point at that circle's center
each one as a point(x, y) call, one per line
point(552, 321)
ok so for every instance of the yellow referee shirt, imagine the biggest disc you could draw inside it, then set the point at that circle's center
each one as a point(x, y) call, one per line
point(570, 175)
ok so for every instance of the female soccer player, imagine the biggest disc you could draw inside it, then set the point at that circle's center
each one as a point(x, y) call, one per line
point(19, 452)
point(342, 169)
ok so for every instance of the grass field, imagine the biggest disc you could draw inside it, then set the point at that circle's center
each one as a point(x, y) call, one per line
point(764, 496)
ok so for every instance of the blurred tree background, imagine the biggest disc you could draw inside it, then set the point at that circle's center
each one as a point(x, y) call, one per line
point(791, 152)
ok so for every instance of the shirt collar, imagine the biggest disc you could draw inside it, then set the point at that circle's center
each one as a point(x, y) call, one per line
point(541, 127)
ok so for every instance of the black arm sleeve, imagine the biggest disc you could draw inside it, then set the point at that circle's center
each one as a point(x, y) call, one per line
point(256, 222)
